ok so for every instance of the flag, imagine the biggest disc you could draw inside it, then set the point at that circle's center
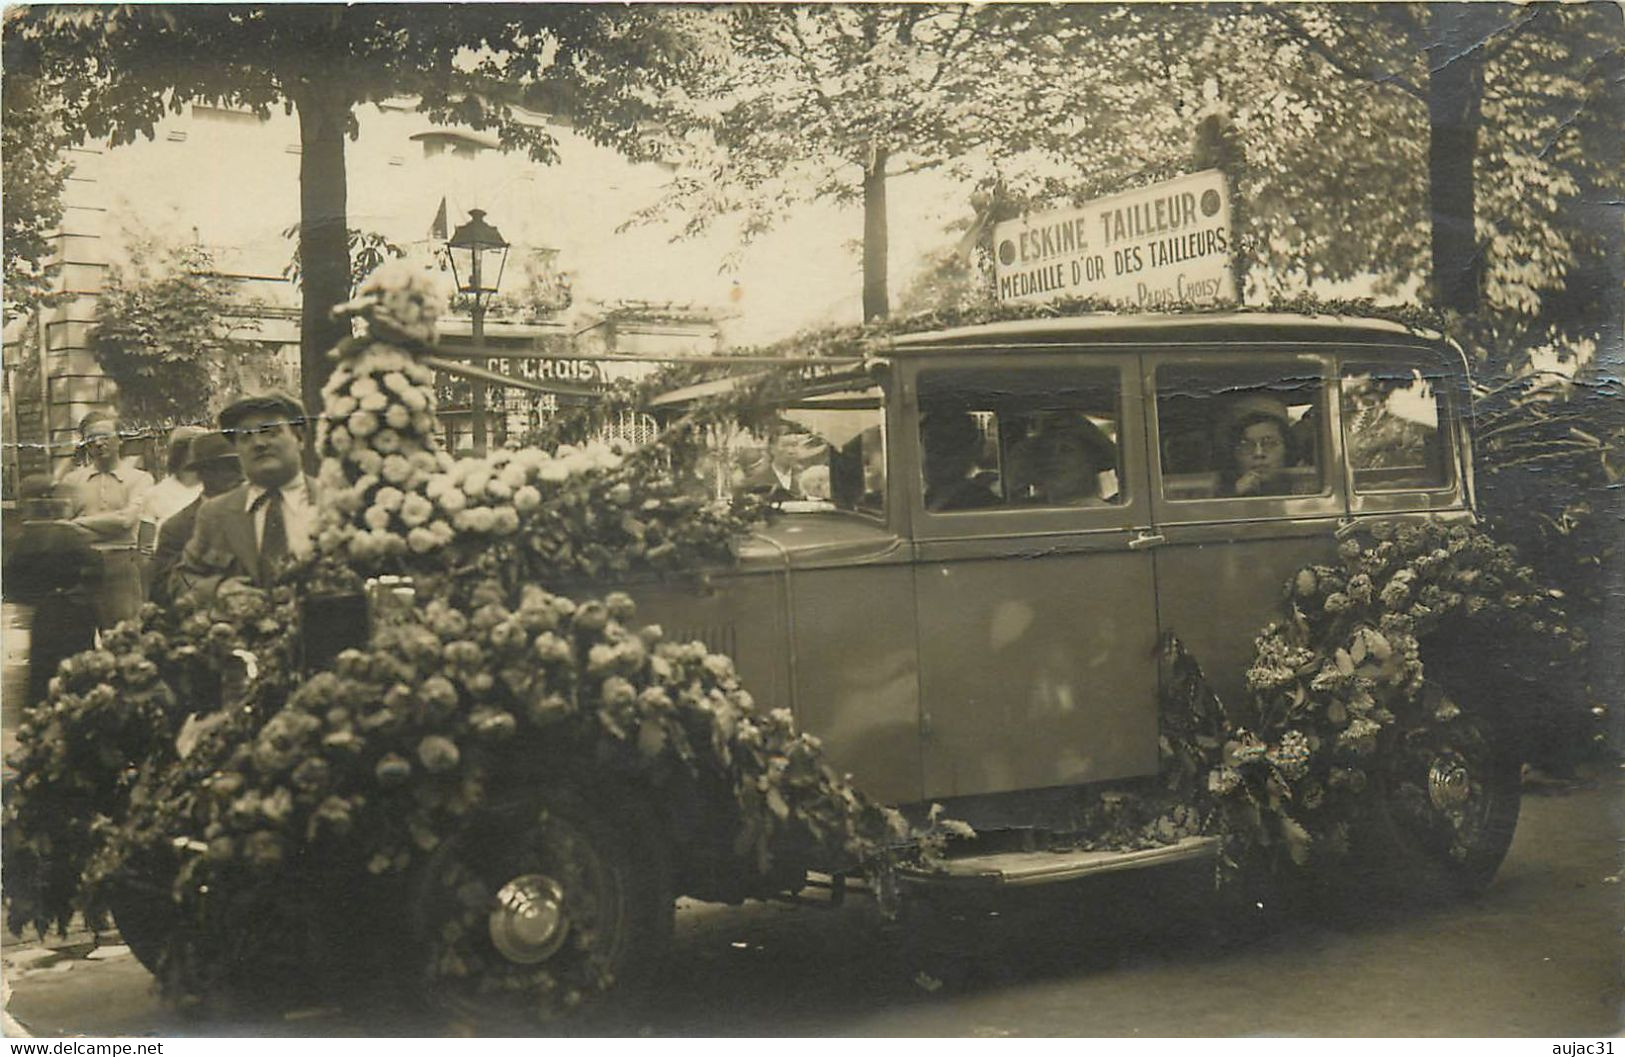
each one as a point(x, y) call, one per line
point(438, 229)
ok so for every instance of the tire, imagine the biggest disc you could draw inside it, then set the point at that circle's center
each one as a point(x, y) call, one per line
point(146, 917)
point(543, 908)
point(1447, 803)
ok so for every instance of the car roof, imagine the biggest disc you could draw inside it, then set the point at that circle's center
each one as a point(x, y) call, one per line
point(1103, 329)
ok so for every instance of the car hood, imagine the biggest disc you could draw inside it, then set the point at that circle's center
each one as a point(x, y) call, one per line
point(797, 540)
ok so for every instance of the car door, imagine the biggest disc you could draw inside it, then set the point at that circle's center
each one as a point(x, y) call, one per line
point(1034, 605)
point(1228, 542)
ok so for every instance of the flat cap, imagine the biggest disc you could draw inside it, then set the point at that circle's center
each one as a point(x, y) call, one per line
point(274, 401)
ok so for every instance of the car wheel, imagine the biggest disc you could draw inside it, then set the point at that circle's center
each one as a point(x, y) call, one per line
point(1447, 801)
point(538, 909)
point(146, 917)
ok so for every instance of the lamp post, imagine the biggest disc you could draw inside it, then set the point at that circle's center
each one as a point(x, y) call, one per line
point(467, 248)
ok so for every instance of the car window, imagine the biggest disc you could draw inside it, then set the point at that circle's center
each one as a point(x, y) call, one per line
point(1240, 431)
point(1391, 419)
point(1020, 438)
point(821, 454)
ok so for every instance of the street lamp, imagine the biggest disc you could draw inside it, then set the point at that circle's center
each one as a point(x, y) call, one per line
point(467, 248)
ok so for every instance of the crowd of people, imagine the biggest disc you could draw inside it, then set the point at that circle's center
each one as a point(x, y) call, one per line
point(104, 538)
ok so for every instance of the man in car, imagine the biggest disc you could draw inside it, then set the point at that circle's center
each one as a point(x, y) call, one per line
point(250, 532)
point(778, 478)
point(952, 443)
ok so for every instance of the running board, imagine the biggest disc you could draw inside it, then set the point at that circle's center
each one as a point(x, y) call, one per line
point(1012, 869)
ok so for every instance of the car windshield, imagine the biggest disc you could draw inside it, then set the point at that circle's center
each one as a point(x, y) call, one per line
point(811, 455)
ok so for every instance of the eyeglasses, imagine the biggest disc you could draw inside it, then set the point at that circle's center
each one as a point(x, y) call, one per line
point(1263, 445)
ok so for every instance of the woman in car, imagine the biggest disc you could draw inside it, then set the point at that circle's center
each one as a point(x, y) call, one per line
point(1065, 459)
point(1258, 436)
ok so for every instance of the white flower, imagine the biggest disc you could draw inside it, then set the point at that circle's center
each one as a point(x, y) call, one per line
point(498, 490)
point(350, 500)
point(445, 460)
point(363, 387)
point(453, 500)
point(341, 406)
point(421, 374)
point(389, 499)
point(554, 471)
point(475, 483)
point(425, 461)
point(397, 382)
point(397, 416)
point(526, 498)
point(368, 461)
point(437, 485)
point(386, 441)
point(392, 543)
point(362, 546)
point(396, 469)
point(480, 519)
point(374, 401)
point(442, 531)
point(331, 475)
point(504, 520)
point(339, 439)
point(376, 517)
point(329, 540)
point(362, 423)
point(416, 510)
point(423, 422)
point(513, 475)
point(421, 540)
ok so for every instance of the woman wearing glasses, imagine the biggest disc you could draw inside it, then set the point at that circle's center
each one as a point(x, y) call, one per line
point(1259, 440)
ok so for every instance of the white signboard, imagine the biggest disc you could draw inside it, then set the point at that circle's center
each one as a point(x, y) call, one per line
point(1166, 244)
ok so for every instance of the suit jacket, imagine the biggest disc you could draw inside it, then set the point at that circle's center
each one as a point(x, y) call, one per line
point(222, 545)
point(173, 537)
point(765, 484)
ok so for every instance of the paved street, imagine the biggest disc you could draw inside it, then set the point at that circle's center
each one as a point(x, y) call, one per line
point(1539, 954)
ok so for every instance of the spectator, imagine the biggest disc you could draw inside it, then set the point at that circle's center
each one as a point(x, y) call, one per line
point(213, 462)
point(249, 532)
point(54, 569)
point(180, 487)
point(104, 498)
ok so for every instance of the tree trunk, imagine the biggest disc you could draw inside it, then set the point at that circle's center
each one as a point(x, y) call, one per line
point(876, 304)
point(324, 255)
point(1455, 93)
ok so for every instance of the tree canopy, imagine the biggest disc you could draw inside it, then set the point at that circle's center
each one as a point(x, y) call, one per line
point(118, 70)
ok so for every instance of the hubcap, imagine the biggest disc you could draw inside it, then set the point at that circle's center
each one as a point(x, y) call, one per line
point(1449, 784)
point(528, 924)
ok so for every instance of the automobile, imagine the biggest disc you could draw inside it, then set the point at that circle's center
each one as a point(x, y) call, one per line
point(977, 541)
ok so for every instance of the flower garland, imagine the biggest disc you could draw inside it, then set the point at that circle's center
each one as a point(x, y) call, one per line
point(490, 682)
point(1339, 684)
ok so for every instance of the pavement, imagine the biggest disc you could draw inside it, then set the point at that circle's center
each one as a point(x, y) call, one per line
point(1539, 954)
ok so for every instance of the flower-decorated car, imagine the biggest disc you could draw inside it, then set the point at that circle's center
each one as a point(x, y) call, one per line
point(896, 620)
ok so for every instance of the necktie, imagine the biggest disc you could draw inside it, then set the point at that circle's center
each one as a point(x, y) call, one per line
point(274, 540)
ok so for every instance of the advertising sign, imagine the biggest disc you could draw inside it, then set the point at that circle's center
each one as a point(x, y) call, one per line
point(1166, 244)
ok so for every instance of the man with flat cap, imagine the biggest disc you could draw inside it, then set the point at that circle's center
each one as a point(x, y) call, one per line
point(249, 532)
point(213, 461)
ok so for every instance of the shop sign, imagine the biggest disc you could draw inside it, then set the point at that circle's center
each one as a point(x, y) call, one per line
point(1170, 243)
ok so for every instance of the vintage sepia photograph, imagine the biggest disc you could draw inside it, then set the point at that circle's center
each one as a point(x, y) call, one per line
point(826, 520)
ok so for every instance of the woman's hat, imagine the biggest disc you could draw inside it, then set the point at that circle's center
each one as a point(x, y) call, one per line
point(1252, 407)
point(208, 448)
